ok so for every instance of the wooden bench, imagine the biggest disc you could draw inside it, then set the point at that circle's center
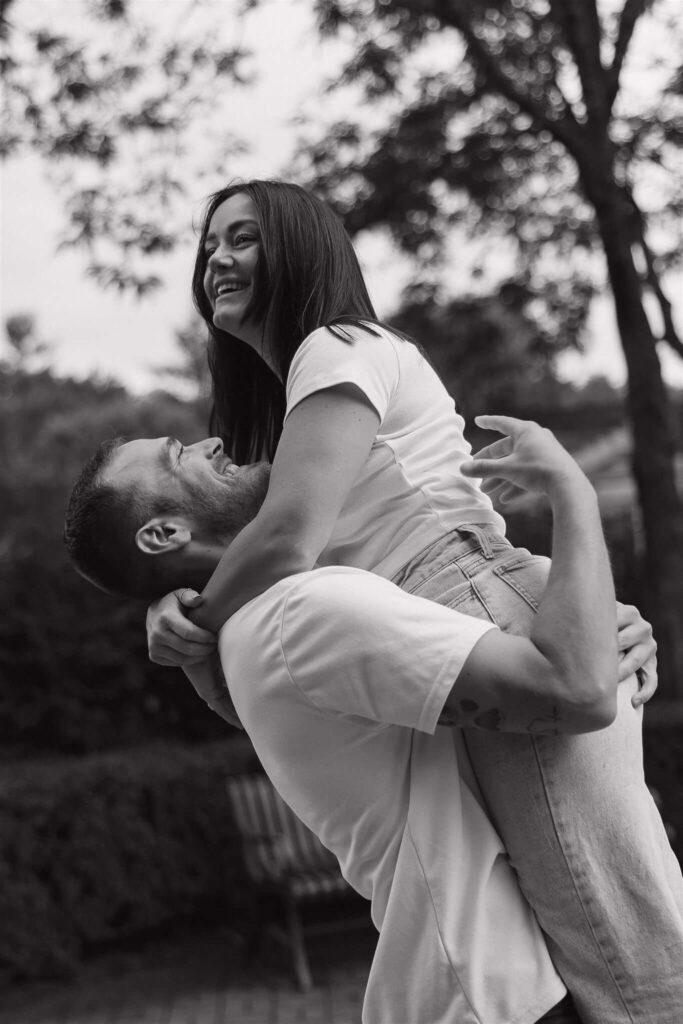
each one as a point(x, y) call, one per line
point(284, 859)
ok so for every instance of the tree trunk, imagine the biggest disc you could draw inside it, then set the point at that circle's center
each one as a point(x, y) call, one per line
point(654, 440)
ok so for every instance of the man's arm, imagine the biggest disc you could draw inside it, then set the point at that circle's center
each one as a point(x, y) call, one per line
point(562, 678)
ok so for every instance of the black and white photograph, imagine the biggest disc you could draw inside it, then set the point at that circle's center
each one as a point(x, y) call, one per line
point(341, 512)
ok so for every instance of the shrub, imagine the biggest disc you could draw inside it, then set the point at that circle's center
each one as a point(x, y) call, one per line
point(102, 847)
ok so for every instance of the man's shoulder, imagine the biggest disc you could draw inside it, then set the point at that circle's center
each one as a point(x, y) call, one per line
point(319, 591)
point(330, 590)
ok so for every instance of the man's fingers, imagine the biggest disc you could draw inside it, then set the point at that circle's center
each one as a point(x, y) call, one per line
point(495, 450)
point(627, 614)
point(170, 658)
point(639, 656)
point(628, 637)
point(188, 598)
point(632, 627)
point(503, 424)
point(647, 677)
point(509, 492)
point(188, 632)
point(485, 467)
point(180, 652)
point(630, 662)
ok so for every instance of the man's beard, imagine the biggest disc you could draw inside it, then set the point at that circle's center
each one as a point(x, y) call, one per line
point(227, 511)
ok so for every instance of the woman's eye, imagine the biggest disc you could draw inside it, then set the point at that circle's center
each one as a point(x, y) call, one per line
point(244, 239)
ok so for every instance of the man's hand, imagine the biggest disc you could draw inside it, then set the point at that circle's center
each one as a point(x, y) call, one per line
point(529, 458)
point(638, 651)
point(171, 638)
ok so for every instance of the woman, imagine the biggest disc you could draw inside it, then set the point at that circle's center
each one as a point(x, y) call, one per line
point(274, 266)
point(370, 469)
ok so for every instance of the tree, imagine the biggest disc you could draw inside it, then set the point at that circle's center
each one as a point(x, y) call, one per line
point(489, 353)
point(113, 99)
point(511, 118)
point(26, 348)
point(74, 671)
point(192, 371)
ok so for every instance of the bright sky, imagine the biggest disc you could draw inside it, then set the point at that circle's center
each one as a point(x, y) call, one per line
point(93, 330)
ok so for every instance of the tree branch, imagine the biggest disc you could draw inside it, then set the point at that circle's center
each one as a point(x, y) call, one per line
point(630, 14)
point(581, 28)
point(669, 334)
point(565, 128)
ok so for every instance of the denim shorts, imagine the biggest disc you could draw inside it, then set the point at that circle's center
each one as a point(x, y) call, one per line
point(578, 822)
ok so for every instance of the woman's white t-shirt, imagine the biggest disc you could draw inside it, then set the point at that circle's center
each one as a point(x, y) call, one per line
point(410, 491)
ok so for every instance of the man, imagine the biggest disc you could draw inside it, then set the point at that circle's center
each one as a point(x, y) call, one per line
point(341, 679)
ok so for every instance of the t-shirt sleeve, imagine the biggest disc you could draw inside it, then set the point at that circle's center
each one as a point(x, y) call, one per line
point(324, 360)
point(356, 644)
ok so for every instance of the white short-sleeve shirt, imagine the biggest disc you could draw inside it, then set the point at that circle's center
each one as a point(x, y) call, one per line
point(339, 678)
point(410, 491)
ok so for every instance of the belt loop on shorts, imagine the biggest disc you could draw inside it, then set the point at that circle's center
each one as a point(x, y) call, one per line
point(481, 537)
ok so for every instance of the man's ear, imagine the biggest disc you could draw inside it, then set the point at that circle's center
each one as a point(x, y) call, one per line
point(161, 536)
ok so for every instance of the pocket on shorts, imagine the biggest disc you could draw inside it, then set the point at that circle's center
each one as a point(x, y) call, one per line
point(508, 591)
point(527, 575)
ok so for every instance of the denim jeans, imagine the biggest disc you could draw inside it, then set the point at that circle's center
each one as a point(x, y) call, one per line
point(578, 822)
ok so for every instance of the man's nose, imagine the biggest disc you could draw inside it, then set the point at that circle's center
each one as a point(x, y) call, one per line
point(213, 446)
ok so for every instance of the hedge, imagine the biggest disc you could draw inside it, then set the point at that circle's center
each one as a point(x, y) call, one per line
point(105, 847)
point(100, 848)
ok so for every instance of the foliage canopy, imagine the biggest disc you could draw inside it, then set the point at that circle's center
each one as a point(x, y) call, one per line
point(113, 97)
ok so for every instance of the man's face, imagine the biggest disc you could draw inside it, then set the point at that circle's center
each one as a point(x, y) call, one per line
point(200, 481)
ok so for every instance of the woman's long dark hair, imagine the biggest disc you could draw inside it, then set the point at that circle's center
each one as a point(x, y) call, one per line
point(307, 276)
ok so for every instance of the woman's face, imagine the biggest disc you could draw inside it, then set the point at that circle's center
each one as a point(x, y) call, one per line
point(232, 247)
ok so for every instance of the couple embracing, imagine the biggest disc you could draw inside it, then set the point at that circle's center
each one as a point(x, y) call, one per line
point(458, 720)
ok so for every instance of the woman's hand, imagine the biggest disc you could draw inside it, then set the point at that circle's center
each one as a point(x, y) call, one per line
point(171, 638)
point(638, 651)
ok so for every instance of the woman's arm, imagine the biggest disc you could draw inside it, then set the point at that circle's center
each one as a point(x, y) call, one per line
point(326, 439)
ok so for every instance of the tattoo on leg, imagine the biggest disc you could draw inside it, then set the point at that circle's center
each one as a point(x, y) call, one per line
point(470, 714)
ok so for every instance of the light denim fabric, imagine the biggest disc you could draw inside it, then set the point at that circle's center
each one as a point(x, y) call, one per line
point(579, 824)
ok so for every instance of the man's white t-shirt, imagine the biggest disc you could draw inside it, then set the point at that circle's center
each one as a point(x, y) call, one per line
point(410, 491)
point(339, 678)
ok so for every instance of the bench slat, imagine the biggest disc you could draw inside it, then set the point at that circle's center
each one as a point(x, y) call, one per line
point(262, 815)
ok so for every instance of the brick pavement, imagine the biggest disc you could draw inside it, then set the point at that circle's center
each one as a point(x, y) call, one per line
point(199, 979)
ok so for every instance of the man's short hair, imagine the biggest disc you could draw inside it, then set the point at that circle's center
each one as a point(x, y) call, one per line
point(102, 519)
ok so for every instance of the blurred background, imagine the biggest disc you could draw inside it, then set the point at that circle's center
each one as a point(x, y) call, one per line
point(511, 175)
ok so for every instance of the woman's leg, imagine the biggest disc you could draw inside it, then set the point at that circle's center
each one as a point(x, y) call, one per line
point(575, 815)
